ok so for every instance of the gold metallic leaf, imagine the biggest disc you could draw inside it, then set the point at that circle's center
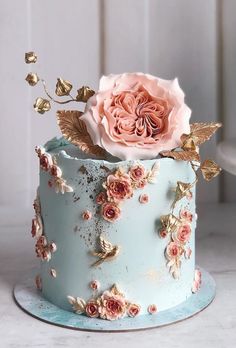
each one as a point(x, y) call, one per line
point(42, 105)
point(30, 57)
point(181, 191)
point(169, 223)
point(84, 93)
point(200, 132)
point(209, 169)
point(182, 155)
point(74, 130)
point(32, 79)
point(63, 87)
point(188, 143)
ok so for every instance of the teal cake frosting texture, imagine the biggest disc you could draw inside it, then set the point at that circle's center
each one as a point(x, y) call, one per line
point(140, 270)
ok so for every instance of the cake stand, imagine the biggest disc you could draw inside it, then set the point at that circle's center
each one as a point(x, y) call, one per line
point(31, 301)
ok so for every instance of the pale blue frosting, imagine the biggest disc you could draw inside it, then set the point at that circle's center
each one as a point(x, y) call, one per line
point(140, 269)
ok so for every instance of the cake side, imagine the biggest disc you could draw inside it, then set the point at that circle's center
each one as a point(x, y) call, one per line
point(74, 221)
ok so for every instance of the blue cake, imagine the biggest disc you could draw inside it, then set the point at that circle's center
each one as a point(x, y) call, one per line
point(115, 212)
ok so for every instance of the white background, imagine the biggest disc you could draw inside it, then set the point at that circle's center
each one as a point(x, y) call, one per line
point(81, 40)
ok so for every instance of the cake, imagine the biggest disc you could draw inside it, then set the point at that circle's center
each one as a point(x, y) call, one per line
point(115, 212)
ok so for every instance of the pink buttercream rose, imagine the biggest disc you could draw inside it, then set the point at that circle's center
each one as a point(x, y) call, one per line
point(186, 215)
point(91, 308)
point(133, 310)
point(112, 306)
point(110, 211)
point(183, 234)
point(118, 186)
point(173, 251)
point(136, 116)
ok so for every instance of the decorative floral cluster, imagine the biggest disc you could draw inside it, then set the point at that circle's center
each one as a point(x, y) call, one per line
point(197, 281)
point(120, 185)
point(179, 230)
point(111, 305)
point(44, 249)
point(48, 164)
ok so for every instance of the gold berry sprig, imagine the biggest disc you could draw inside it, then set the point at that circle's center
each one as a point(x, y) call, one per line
point(63, 88)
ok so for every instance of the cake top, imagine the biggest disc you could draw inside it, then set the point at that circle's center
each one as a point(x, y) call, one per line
point(132, 116)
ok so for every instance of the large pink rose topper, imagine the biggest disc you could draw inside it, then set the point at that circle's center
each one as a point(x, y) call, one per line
point(136, 116)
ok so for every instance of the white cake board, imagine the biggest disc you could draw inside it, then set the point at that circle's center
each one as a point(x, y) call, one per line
point(31, 301)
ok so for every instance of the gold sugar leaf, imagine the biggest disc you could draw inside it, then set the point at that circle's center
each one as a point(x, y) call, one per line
point(30, 57)
point(209, 169)
point(32, 79)
point(42, 105)
point(188, 143)
point(74, 130)
point(63, 87)
point(201, 132)
point(182, 189)
point(84, 93)
point(182, 155)
point(169, 222)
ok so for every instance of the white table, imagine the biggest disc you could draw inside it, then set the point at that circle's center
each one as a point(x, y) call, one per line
point(215, 327)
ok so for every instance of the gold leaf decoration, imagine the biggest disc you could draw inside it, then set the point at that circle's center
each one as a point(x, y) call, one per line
point(200, 132)
point(30, 57)
point(181, 191)
point(74, 130)
point(42, 105)
point(182, 155)
point(209, 169)
point(169, 223)
point(188, 143)
point(32, 79)
point(63, 87)
point(84, 93)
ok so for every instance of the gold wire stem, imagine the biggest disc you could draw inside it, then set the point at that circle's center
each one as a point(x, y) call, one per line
point(54, 100)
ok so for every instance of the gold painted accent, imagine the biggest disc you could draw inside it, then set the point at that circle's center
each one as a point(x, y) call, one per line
point(30, 57)
point(42, 105)
point(209, 169)
point(108, 251)
point(32, 79)
point(182, 155)
point(63, 87)
point(84, 93)
point(170, 223)
point(74, 130)
point(182, 190)
point(152, 174)
point(200, 132)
